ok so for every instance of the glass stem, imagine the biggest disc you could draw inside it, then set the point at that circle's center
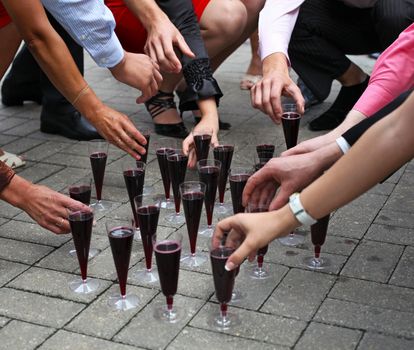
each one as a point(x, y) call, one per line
point(260, 259)
point(170, 301)
point(317, 251)
point(223, 310)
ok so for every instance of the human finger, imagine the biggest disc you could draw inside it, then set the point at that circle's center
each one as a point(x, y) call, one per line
point(184, 48)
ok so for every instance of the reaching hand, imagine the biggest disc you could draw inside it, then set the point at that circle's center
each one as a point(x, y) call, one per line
point(266, 94)
point(162, 37)
point(140, 72)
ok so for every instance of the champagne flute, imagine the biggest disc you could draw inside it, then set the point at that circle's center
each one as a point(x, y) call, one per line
point(121, 236)
point(167, 253)
point(224, 154)
point(177, 167)
point(98, 155)
point(192, 194)
point(134, 175)
point(238, 178)
point(164, 147)
point(208, 172)
point(148, 211)
point(290, 123)
point(318, 236)
point(81, 191)
point(223, 284)
point(81, 221)
point(202, 140)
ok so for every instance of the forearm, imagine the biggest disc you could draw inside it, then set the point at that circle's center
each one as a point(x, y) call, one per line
point(16, 191)
point(383, 148)
point(147, 11)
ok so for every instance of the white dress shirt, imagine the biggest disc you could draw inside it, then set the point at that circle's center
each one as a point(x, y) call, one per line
point(91, 24)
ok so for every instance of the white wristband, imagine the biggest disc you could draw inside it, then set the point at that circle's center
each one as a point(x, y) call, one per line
point(343, 144)
point(300, 213)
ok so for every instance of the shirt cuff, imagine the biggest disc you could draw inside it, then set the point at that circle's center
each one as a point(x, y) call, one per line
point(343, 144)
point(374, 98)
point(110, 54)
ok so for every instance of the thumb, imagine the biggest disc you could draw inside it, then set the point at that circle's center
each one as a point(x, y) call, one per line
point(184, 48)
point(237, 258)
point(186, 144)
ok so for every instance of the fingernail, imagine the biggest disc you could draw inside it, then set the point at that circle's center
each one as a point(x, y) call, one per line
point(230, 266)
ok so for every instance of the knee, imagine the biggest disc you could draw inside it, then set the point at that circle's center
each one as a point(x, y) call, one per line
point(229, 18)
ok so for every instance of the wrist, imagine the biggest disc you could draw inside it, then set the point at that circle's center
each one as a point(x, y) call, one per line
point(15, 192)
point(90, 107)
point(285, 221)
point(275, 62)
point(327, 155)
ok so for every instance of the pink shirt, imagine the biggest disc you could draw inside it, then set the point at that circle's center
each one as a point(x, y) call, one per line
point(393, 74)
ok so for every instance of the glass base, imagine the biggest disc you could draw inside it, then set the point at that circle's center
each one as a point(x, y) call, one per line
point(162, 313)
point(292, 240)
point(223, 208)
point(167, 203)
point(259, 273)
point(224, 323)
point(206, 231)
point(236, 296)
point(316, 264)
point(137, 235)
point(101, 205)
point(195, 260)
point(176, 219)
point(129, 301)
point(145, 276)
point(148, 189)
point(80, 286)
point(92, 253)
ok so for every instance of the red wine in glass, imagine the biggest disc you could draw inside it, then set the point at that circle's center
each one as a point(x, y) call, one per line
point(162, 154)
point(318, 236)
point(192, 194)
point(290, 122)
point(134, 182)
point(81, 193)
point(208, 172)
point(265, 152)
point(147, 136)
point(224, 154)
point(202, 145)
point(177, 167)
point(148, 212)
point(223, 284)
point(121, 236)
point(238, 179)
point(81, 226)
point(98, 164)
point(167, 254)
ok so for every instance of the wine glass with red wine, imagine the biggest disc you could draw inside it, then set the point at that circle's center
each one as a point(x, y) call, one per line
point(224, 154)
point(148, 211)
point(167, 253)
point(147, 134)
point(98, 155)
point(163, 148)
point(258, 271)
point(318, 236)
point(134, 176)
point(208, 173)
point(238, 177)
point(290, 123)
point(202, 140)
point(192, 195)
point(121, 236)
point(81, 191)
point(223, 284)
point(177, 167)
point(81, 221)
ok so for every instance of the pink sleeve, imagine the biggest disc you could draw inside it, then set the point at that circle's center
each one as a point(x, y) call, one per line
point(276, 22)
point(393, 74)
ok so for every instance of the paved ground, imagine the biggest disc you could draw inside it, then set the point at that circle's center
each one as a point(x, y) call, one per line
point(364, 301)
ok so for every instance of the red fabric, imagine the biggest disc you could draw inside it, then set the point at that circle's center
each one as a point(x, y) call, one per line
point(129, 29)
point(4, 16)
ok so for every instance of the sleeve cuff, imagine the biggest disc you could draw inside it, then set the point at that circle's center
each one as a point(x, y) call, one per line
point(343, 144)
point(110, 54)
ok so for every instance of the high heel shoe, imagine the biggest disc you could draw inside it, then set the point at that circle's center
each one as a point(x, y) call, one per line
point(160, 103)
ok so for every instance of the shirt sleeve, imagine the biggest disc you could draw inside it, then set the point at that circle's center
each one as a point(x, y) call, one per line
point(276, 22)
point(393, 74)
point(6, 174)
point(91, 24)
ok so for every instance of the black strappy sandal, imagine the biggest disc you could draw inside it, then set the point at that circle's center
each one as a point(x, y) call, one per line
point(160, 103)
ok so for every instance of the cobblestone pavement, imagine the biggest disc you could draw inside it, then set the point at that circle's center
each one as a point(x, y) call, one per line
point(364, 301)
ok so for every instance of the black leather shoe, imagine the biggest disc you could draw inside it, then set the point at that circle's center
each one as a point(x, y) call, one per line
point(70, 124)
point(15, 95)
point(172, 130)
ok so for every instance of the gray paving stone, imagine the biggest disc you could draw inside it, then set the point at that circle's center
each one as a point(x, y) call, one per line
point(69, 160)
point(361, 292)
point(99, 320)
point(22, 146)
point(395, 218)
point(370, 318)
point(390, 234)
point(6, 139)
point(322, 336)
point(8, 211)
point(404, 273)
point(9, 270)
point(193, 338)
point(402, 199)
point(254, 325)
point(24, 129)
point(32, 233)
point(44, 150)
point(53, 283)
point(23, 336)
point(3, 221)
point(299, 294)
point(10, 123)
point(36, 308)
point(374, 341)
point(4, 321)
point(24, 252)
point(64, 340)
point(385, 189)
point(373, 261)
point(140, 331)
point(39, 171)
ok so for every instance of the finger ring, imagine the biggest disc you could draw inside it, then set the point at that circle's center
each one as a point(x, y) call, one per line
point(60, 223)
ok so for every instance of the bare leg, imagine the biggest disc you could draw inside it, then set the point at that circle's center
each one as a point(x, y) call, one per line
point(353, 76)
point(9, 43)
point(255, 66)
